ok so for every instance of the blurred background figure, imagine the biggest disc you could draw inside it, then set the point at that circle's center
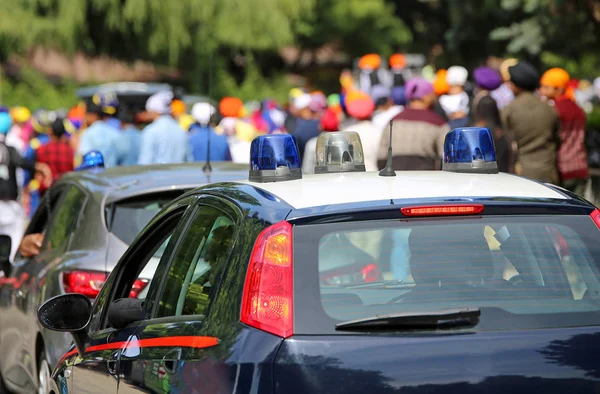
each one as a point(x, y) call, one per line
point(504, 94)
point(103, 130)
point(57, 154)
point(163, 140)
point(203, 139)
point(572, 155)
point(360, 107)
point(456, 103)
point(534, 125)
point(307, 125)
point(418, 132)
point(18, 136)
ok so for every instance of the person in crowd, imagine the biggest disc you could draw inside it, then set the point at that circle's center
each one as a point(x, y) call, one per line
point(76, 116)
point(103, 132)
point(456, 103)
point(130, 137)
point(292, 112)
point(360, 108)
point(58, 153)
point(240, 135)
point(318, 104)
point(371, 73)
point(485, 113)
point(11, 212)
point(204, 141)
point(533, 124)
point(418, 132)
point(307, 126)
point(572, 155)
point(385, 110)
point(163, 140)
point(504, 94)
point(40, 123)
point(16, 136)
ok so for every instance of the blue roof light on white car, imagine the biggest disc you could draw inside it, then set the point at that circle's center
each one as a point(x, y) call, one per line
point(471, 150)
point(274, 158)
point(339, 152)
point(93, 159)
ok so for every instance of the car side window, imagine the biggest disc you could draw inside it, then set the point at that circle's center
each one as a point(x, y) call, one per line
point(64, 219)
point(196, 266)
point(135, 278)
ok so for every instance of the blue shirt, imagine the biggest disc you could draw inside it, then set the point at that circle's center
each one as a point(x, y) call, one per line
point(164, 141)
point(132, 138)
point(219, 147)
point(106, 139)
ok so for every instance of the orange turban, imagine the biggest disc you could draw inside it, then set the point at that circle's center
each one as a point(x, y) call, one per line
point(372, 61)
point(177, 108)
point(440, 85)
point(231, 107)
point(556, 77)
point(397, 61)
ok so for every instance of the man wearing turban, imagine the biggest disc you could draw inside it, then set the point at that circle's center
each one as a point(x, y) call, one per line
point(533, 124)
point(572, 154)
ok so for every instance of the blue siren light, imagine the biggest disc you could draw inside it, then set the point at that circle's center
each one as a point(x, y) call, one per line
point(470, 149)
point(274, 158)
point(93, 159)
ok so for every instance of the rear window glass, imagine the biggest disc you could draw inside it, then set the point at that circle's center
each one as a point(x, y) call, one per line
point(128, 218)
point(522, 272)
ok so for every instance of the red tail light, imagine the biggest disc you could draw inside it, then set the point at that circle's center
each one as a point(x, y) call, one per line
point(442, 210)
point(267, 302)
point(138, 286)
point(84, 282)
point(596, 217)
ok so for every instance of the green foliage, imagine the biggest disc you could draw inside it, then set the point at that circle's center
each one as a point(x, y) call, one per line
point(35, 91)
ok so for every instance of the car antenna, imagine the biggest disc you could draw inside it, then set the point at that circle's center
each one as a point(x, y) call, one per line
point(388, 170)
point(207, 167)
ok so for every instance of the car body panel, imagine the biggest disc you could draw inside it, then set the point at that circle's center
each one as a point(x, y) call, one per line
point(549, 361)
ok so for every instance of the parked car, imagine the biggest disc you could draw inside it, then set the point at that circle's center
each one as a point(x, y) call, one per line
point(88, 219)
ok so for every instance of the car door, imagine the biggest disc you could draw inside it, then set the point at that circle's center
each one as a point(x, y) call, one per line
point(56, 220)
point(98, 370)
point(157, 356)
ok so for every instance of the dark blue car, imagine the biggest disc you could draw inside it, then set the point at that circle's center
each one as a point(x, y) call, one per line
point(348, 282)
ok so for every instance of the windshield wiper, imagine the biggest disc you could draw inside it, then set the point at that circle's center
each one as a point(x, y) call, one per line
point(444, 318)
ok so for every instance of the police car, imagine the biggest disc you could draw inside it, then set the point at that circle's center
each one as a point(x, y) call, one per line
point(462, 280)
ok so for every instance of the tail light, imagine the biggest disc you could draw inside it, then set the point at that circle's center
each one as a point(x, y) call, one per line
point(84, 282)
point(138, 286)
point(596, 217)
point(442, 210)
point(267, 301)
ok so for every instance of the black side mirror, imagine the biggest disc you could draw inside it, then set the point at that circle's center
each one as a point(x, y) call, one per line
point(125, 311)
point(5, 249)
point(67, 313)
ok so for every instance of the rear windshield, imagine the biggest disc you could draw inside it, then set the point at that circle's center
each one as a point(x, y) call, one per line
point(521, 271)
point(127, 218)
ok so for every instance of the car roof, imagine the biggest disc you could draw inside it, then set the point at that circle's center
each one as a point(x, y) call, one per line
point(123, 182)
point(315, 190)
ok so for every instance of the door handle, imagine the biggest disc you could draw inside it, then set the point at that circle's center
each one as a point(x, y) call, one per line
point(171, 361)
point(111, 365)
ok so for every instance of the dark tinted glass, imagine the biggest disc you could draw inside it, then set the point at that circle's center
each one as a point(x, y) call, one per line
point(196, 264)
point(530, 272)
point(68, 312)
point(129, 217)
point(65, 219)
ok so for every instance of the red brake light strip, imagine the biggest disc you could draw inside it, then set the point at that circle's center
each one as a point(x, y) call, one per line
point(442, 210)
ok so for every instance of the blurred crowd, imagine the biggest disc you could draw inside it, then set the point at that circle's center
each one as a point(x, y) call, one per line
point(538, 121)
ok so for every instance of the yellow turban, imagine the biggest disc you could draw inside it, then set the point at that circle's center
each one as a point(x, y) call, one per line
point(20, 114)
point(556, 77)
point(245, 131)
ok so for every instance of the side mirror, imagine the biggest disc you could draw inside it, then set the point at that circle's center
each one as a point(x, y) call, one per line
point(67, 313)
point(125, 311)
point(5, 249)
